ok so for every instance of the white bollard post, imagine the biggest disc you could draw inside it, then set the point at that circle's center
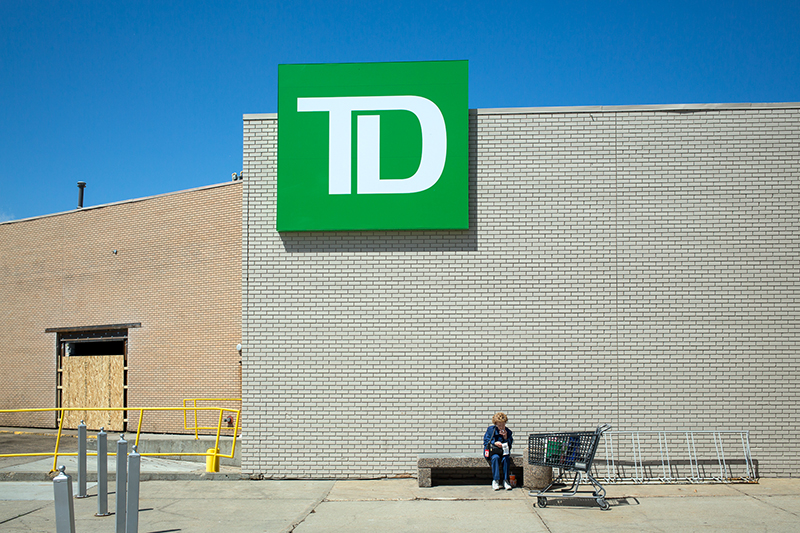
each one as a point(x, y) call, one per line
point(122, 479)
point(65, 510)
point(132, 517)
point(102, 473)
point(81, 460)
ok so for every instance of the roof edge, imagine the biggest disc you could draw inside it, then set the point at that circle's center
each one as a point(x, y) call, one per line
point(121, 202)
point(638, 107)
point(599, 109)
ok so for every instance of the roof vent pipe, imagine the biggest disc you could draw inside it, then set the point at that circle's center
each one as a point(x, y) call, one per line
point(81, 186)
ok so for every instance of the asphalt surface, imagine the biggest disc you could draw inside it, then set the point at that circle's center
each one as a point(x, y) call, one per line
point(399, 505)
point(27, 442)
point(180, 497)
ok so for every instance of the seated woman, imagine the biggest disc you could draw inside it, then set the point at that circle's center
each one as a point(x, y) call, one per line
point(499, 456)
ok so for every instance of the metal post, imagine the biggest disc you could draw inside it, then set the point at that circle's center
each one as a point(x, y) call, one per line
point(65, 511)
point(122, 479)
point(81, 460)
point(81, 186)
point(751, 470)
point(132, 518)
point(102, 473)
point(58, 437)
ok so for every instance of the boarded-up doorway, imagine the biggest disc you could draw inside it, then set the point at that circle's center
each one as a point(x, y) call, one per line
point(92, 374)
point(93, 381)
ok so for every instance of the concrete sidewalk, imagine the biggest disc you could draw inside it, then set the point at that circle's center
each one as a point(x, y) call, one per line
point(399, 505)
point(181, 496)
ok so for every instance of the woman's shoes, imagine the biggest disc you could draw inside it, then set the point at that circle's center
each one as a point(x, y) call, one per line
point(506, 485)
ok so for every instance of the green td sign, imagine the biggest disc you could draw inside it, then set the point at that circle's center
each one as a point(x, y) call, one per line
point(372, 146)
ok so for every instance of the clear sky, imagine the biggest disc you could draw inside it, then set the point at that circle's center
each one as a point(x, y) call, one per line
point(141, 98)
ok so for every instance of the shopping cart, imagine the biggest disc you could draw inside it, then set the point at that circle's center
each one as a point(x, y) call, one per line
point(569, 452)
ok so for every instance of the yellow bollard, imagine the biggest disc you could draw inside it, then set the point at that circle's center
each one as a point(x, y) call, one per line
point(212, 461)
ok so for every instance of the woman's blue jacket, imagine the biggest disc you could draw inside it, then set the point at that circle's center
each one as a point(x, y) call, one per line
point(492, 430)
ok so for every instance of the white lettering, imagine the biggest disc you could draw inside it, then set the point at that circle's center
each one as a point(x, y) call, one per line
point(434, 142)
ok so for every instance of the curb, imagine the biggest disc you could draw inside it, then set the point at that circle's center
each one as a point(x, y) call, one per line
point(144, 476)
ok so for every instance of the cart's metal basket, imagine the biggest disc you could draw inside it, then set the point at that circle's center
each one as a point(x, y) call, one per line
point(569, 452)
point(572, 451)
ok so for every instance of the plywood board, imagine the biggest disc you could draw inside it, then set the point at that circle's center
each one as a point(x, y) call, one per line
point(93, 381)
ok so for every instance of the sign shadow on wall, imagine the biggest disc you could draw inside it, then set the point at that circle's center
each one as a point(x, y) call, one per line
point(385, 241)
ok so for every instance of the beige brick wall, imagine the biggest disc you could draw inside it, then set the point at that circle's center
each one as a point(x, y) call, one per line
point(636, 266)
point(177, 271)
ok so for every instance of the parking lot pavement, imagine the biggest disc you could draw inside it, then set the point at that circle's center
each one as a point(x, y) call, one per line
point(33, 468)
point(399, 505)
point(24, 442)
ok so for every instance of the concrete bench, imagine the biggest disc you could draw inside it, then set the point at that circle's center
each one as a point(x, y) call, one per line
point(528, 476)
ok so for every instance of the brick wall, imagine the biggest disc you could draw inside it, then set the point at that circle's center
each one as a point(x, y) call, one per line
point(635, 265)
point(177, 271)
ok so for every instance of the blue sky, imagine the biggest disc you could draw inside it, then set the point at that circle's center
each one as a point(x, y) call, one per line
point(141, 98)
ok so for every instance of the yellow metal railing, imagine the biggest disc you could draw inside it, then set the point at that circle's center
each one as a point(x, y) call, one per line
point(214, 452)
point(197, 428)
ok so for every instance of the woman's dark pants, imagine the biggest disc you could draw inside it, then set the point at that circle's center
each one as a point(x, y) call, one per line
point(501, 464)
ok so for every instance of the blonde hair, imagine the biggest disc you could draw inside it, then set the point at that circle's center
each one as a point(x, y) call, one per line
point(499, 417)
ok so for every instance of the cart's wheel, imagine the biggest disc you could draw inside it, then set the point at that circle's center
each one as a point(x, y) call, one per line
point(541, 501)
point(603, 504)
